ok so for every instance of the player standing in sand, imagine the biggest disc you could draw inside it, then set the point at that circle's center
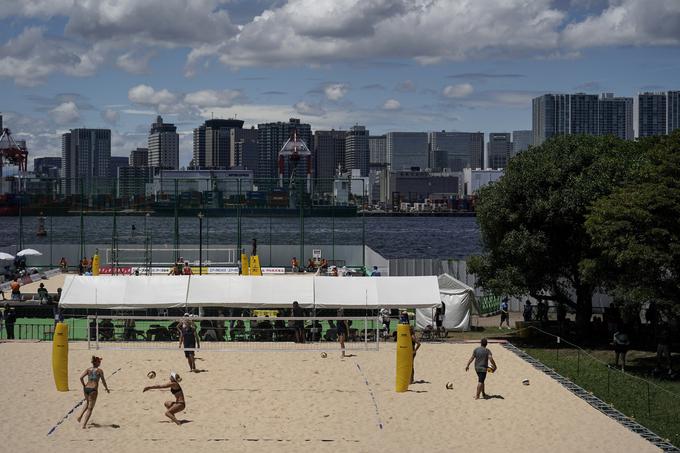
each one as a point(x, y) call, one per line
point(481, 355)
point(416, 345)
point(176, 406)
point(94, 374)
point(188, 339)
point(343, 330)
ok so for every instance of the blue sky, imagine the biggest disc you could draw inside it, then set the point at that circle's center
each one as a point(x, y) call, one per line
point(420, 65)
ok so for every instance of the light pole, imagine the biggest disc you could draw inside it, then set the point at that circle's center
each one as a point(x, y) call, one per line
point(200, 243)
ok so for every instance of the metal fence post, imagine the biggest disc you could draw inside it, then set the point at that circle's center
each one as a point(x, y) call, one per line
point(578, 362)
point(608, 388)
point(649, 404)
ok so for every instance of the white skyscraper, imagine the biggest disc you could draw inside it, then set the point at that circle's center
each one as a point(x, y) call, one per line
point(163, 145)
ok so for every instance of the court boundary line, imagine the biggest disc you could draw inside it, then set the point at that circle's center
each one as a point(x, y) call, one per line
point(595, 402)
point(72, 410)
point(370, 391)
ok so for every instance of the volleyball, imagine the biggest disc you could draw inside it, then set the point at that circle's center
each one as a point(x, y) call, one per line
point(490, 370)
point(324, 355)
point(525, 382)
point(449, 386)
point(151, 374)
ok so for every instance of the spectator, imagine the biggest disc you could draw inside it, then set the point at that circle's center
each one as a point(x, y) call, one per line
point(299, 325)
point(311, 267)
point(43, 296)
point(294, 265)
point(10, 320)
point(376, 272)
point(238, 332)
point(186, 270)
point(663, 348)
point(324, 264)
point(528, 311)
point(16, 292)
point(84, 266)
point(57, 297)
point(621, 343)
point(505, 313)
point(439, 319)
point(652, 314)
point(58, 315)
point(63, 265)
point(541, 311)
point(415, 344)
point(385, 318)
point(403, 318)
point(334, 271)
point(106, 329)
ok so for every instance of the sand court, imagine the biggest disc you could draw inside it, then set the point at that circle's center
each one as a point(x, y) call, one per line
point(298, 401)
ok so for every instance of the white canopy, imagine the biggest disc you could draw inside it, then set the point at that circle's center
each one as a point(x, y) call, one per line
point(130, 292)
point(459, 303)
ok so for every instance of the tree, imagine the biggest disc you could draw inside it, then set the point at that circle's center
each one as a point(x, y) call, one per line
point(532, 219)
point(637, 227)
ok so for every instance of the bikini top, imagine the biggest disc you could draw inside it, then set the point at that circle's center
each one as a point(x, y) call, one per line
point(175, 391)
point(93, 375)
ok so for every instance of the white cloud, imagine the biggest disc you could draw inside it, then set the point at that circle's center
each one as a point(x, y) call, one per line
point(304, 108)
point(212, 98)
point(460, 90)
point(65, 113)
point(391, 104)
point(163, 101)
point(335, 91)
point(628, 22)
point(134, 63)
point(110, 116)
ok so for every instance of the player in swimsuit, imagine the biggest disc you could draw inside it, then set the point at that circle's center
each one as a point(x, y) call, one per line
point(94, 374)
point(172, 406)
point(341, 327)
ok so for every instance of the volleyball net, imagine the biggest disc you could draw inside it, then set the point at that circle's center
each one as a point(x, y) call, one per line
point(217, 333)
point(167, 257)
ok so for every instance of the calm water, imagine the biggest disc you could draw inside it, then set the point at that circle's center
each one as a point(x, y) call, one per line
point(393, 237)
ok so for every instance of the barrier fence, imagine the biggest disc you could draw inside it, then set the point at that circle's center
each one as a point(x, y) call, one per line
point(652, 403)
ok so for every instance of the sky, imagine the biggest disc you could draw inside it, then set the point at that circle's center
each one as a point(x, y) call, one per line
point(407, 65)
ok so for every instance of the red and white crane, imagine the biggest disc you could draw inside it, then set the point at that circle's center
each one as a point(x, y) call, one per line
point(12, 153)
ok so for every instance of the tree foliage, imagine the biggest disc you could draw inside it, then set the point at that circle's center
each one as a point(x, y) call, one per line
point(637, 228)
point(532, 220)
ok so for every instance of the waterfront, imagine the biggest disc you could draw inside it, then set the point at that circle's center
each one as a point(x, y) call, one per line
point(392, 237)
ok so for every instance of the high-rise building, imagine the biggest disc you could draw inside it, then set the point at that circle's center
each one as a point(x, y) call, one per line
point(47, 167)
point(115, 163)
point(139, 157)
point(616, 116)
point(218, 149)
point(521, 141)
point(377, 149)
point(672, 111)
point(456, 150)
point(499, 149)
point(407, 150)
point(248, 140)
point(562, 114)
point(163, 145)
point(132, 181)
point(270, 139)
point(198, 158)
point(651, 111)
point(85, 160)
point(328, 158)
point(357, 153)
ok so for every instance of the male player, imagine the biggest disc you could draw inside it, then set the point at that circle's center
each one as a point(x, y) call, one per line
point(481, 355)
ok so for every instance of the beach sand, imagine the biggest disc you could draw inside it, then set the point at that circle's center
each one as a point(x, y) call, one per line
point(299, 401)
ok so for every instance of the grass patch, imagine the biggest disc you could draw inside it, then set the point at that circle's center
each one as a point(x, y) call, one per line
point(653, 403)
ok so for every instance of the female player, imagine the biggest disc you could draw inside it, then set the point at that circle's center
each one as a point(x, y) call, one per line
point(341, 327)
point(172, 406)
point(94, 374)
point(416, 345)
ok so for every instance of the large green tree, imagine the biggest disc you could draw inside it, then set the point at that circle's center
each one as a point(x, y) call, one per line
point(532, 220)
point(637, 229)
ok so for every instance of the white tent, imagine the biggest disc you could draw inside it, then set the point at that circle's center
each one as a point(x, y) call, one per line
point(130, 292)
point(459, 303)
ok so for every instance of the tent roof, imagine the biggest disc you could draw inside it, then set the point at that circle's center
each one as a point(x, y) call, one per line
point(130, 292)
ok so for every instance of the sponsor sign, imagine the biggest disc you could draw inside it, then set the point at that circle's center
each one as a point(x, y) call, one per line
point(273, 270)
point(316, 254)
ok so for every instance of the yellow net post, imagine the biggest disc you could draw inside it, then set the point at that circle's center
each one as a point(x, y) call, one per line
point(404, 357)
point(244, 264)
point(96, 263)
point(255, 265)
point(60, 356)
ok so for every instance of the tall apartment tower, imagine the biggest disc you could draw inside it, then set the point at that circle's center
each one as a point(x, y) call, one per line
point(499, 149)
point(616, 116)
point(242, 142)
point(562, 114)
point(651, 110)
point(198, 158)
point(163, 145)
point(139, 157)
point(357, 153)
point(456, 150)
point(521, 141)
point(406, 150)
point(218, 133)
point(328, 157)
point(270, 139)
point(377, 150)
point(85, 157)
point(672, 111)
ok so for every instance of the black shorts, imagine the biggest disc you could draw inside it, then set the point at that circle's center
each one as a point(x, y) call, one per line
point(188, 353)
point(621, 348)
point(299, 324)
point(504, 316)
point(481, 376)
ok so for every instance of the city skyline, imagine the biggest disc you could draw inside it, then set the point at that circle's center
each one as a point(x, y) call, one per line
point(116, 68)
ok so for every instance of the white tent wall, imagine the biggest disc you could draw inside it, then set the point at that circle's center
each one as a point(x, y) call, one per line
point(249, 291)
point(459, 302)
